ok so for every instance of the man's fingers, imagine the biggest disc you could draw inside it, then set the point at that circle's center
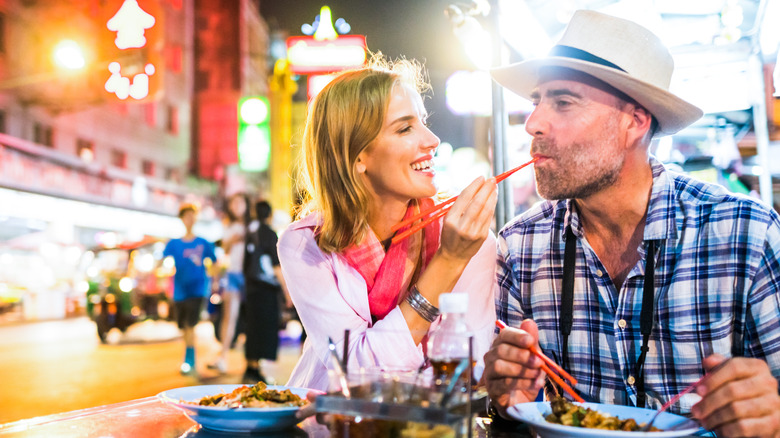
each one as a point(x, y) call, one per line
point(742, 410)
point(740, 379)
point(750, 427)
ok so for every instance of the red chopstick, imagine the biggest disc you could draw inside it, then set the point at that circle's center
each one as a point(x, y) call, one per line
point(546, 366)
point(439, 210)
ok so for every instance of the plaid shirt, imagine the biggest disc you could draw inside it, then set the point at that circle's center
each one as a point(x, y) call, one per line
point(717, 290)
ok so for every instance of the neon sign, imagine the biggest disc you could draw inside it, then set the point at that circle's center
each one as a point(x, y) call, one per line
point(130, 23)
point(306, 55)
point(326, 51)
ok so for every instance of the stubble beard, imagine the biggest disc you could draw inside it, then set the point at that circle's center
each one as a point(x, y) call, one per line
point(581, 170)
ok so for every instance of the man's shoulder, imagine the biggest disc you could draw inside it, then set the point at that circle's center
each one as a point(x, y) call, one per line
point(716, 199)
point(538, 218)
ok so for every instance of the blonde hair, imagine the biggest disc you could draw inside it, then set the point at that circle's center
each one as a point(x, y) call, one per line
point(344, 118)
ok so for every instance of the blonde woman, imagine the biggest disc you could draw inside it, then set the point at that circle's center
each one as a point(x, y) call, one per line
point(367, 164)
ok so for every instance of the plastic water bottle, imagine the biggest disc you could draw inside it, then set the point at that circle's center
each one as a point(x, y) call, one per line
point(448, 344)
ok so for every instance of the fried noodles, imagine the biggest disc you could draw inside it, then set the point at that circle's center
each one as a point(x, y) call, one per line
point(257, 396)
point(568, 414)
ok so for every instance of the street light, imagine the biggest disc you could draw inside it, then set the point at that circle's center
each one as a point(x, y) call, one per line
point(488, 49)
point(68, 55)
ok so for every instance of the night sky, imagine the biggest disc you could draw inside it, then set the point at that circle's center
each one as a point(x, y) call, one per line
point(411, 28)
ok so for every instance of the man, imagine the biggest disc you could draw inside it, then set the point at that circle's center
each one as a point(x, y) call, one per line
point(666, 276)
point(192, 256)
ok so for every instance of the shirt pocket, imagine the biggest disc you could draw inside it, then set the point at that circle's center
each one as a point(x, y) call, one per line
point(697, 335)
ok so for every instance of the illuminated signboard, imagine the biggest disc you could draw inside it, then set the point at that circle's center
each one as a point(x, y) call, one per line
point(307, 55)
point(130, 23)
point(326, 51)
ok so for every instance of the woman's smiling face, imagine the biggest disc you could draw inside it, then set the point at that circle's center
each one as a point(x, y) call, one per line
point(398, 164)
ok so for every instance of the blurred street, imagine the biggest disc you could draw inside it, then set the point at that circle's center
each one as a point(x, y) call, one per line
point(56, 366)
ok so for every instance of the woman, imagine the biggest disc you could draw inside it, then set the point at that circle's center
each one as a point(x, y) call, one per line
point(367, 164)
point(233, 244)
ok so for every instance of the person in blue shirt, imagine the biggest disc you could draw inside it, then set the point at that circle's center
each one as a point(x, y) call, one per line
point(192, 256)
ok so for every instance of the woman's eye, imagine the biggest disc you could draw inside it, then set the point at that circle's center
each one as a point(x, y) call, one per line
point(405, 129)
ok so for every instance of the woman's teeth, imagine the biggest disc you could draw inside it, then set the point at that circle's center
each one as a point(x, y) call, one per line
point(422, 165)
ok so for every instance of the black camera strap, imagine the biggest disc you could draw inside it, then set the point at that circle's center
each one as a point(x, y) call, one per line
point(645, 318)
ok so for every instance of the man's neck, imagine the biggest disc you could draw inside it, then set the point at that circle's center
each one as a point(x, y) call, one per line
point(188, 236)
point(617, 211)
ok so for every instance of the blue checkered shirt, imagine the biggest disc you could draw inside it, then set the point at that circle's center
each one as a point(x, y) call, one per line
point(717, 290)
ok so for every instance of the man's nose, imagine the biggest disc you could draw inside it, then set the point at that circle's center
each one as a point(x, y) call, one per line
point(536, 124)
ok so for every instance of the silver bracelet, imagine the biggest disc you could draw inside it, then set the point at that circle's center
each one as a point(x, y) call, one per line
point(421, 305)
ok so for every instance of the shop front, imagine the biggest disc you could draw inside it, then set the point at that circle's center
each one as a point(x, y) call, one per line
point(59, 212)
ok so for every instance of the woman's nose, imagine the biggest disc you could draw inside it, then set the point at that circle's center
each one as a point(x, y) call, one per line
point(432, 141)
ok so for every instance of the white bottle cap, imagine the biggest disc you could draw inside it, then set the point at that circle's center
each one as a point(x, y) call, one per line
point(454, 302)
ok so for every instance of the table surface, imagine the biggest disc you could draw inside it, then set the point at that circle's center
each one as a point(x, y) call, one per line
point(149, 417)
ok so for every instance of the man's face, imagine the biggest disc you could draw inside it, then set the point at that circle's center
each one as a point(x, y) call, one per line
point(189, 218)
point(578, 134)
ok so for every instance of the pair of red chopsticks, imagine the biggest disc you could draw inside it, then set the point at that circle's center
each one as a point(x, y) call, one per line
point(548, 366)
point(439, 210)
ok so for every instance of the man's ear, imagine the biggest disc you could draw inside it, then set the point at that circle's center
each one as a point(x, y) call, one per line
point(641, 123)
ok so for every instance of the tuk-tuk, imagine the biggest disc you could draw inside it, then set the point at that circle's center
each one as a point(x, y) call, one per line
point(128, 283)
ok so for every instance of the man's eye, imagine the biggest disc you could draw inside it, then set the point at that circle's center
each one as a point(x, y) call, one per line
point(562, 103)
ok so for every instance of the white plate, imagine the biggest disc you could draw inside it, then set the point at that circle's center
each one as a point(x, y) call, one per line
point(534, 413)
point(232, 420)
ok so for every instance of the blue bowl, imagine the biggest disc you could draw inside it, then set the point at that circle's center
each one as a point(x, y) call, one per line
point(232, 420)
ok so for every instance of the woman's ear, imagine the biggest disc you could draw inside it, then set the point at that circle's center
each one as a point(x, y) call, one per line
point(359, 166)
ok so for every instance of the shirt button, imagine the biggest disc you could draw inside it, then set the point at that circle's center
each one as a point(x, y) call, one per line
point(631, 380)
point(622, 323)
point(599, 273)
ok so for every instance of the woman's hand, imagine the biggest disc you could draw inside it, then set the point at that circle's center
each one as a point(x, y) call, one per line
point(467, 223)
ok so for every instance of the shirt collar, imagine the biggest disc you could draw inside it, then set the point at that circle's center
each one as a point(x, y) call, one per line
point(661, 223)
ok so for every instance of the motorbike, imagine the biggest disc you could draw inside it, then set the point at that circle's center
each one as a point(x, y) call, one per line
point(128, 283)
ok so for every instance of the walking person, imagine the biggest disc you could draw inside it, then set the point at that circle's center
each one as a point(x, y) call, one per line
point(265, 291)
point(192, 257)
point(233, 245)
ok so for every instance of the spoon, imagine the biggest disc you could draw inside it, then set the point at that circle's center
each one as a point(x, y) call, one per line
point(337, 367)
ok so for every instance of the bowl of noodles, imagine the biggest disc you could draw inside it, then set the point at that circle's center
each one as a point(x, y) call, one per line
point(573, 420)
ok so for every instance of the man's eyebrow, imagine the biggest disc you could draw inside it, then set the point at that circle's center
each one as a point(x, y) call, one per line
point(556, 93)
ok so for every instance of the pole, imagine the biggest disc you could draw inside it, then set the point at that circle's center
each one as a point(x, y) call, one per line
point(504, 206)
point(758, 92)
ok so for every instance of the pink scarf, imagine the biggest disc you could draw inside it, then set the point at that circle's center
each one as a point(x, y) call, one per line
point(388, 274)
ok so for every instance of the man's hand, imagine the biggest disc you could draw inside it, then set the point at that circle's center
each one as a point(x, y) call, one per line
point(512, 373)
point(740, 399)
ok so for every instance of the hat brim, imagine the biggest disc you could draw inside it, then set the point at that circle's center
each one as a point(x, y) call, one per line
point(672, 113)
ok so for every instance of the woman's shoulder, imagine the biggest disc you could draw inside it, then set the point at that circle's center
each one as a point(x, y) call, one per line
point(300, 235)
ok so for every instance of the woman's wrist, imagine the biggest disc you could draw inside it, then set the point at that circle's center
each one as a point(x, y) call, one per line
point(422, 305)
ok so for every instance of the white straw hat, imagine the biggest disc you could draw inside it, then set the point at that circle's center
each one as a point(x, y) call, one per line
point(619, 52)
